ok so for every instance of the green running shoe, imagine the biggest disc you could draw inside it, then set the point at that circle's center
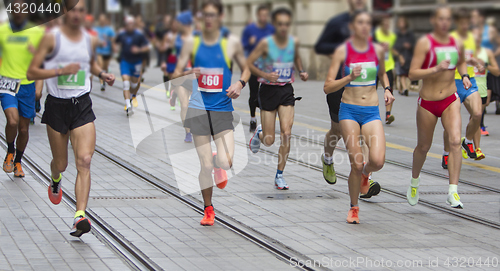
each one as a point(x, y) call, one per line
point(328, 172)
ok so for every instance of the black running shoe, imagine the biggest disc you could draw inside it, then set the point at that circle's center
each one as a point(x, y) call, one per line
point(372, 191)
point(468, 149)
point(81, 225)
point(253, 126)
point(444, 162)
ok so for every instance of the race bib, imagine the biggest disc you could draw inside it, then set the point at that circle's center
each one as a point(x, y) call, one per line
point(9, 85)
point(447, 53)
point(210, 79)
point(479, 74)
point(368, 74)
point(72, 81)
point(386, 55)
point(284, 70)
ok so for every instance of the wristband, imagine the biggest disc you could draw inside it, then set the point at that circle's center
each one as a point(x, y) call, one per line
point(486, 65)
point(388, 88)
point(243, 83)
point(465, 75)
point(100, 74)
point(302, 71)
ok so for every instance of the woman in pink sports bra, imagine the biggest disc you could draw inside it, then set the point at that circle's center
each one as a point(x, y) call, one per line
point(436, 57)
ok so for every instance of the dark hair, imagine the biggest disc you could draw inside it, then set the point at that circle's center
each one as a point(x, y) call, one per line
point(356, 13)
point(262, 7)
point(405, 20)
point(461, 13)
point(438, 8)
point(280, 11)
point(216, 3)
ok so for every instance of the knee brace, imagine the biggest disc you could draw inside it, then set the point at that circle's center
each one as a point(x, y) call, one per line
point(126, 85)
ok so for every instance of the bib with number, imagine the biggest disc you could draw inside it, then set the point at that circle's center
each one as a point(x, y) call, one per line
point(72, 81)
point(447, 53)
point(284, 70)
point(368, 74)
point(468, 55)
point(210, 79)
point(9, 85)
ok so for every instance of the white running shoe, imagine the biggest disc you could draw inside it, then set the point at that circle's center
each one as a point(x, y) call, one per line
point(412, 193)
point(454, 201)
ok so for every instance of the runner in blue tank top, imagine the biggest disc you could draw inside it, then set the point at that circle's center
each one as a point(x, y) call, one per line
point(278, 54)
point(210, 109)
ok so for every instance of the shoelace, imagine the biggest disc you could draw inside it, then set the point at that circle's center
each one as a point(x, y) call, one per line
point(413, 192)
point(355, 213)
point(55, 187)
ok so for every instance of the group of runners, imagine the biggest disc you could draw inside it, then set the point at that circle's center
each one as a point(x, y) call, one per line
point(453, 69)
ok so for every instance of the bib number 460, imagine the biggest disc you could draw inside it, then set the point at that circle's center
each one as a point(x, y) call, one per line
point(210, 80)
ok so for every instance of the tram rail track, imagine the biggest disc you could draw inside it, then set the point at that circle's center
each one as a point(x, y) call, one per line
point(447, 209)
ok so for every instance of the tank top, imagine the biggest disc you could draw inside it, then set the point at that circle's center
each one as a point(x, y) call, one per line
point(279, 60)
point(369, 65)
point(66, 52)
point(481, 77)
point(215, 78)
point(439, 52)
point(469, 50)
point(485, 41)
point(390, 40)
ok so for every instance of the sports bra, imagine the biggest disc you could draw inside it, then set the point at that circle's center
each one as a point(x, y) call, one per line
point(439, 52)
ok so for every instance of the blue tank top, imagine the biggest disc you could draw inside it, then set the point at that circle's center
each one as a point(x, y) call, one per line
point(486, 42)
point(279, 60)
point(210, 92)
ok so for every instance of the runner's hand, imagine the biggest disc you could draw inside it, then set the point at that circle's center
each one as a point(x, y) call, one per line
point(481, 68)
point(135, 50)
point(304, 76)
point(72, 68)
point(443, 65)
point(272, 77)
point(196, 72)
point(389, 98)
point(164, 67)
point(467, 83)
point(234, 90)
point(356, 72)
point(31, 48)
point(108, 78)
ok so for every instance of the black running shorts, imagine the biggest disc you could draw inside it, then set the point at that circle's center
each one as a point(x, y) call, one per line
point(272, 96)
point(64, 115)
point(334, 99)
point(203, 122)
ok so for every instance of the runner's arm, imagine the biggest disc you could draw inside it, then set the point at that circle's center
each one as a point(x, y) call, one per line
point(493, 65)
point(239, 57)
point(298, 62)
point(183, 59)
point(331, 84)
point(95, 69)
point(382, 75)
point(35, 72)
point(259, 51)
point(416, 71)
point(462, 67)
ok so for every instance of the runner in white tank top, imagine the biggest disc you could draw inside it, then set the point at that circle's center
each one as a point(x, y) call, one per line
point(69, 60)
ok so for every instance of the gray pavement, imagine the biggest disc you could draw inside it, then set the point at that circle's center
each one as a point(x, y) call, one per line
point(309, 218)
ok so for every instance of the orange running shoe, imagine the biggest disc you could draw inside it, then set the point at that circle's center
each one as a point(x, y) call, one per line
point(479, 154)
point(220, 176)
point(18, 170)
point(352, 215)
point(365, 184)
point(8, 163)
point(55, 191)
point(209, 217)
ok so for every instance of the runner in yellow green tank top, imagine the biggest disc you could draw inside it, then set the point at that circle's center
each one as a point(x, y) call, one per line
point(18, 41)
point(387, 38)
point(486, 58)
point(469, 97)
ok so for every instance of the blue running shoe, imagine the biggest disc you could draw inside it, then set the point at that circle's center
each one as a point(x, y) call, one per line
point(255, 140)
point(189, 138)
point(279, 182)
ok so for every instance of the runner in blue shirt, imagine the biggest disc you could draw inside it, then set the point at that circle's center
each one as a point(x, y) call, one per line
point(104, 51)
point(252, 35)
point(133, 45)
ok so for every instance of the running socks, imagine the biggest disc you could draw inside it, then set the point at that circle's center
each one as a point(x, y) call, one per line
point(11, 148)
point(80, 213)
point(58, 179)
point(127, 103)
point(352, 205)
point(328, 160)
point(279, 172)
point(388, 113)
point(19, 156)
point(468, 141)
point(446, 153)
point(452, 189)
